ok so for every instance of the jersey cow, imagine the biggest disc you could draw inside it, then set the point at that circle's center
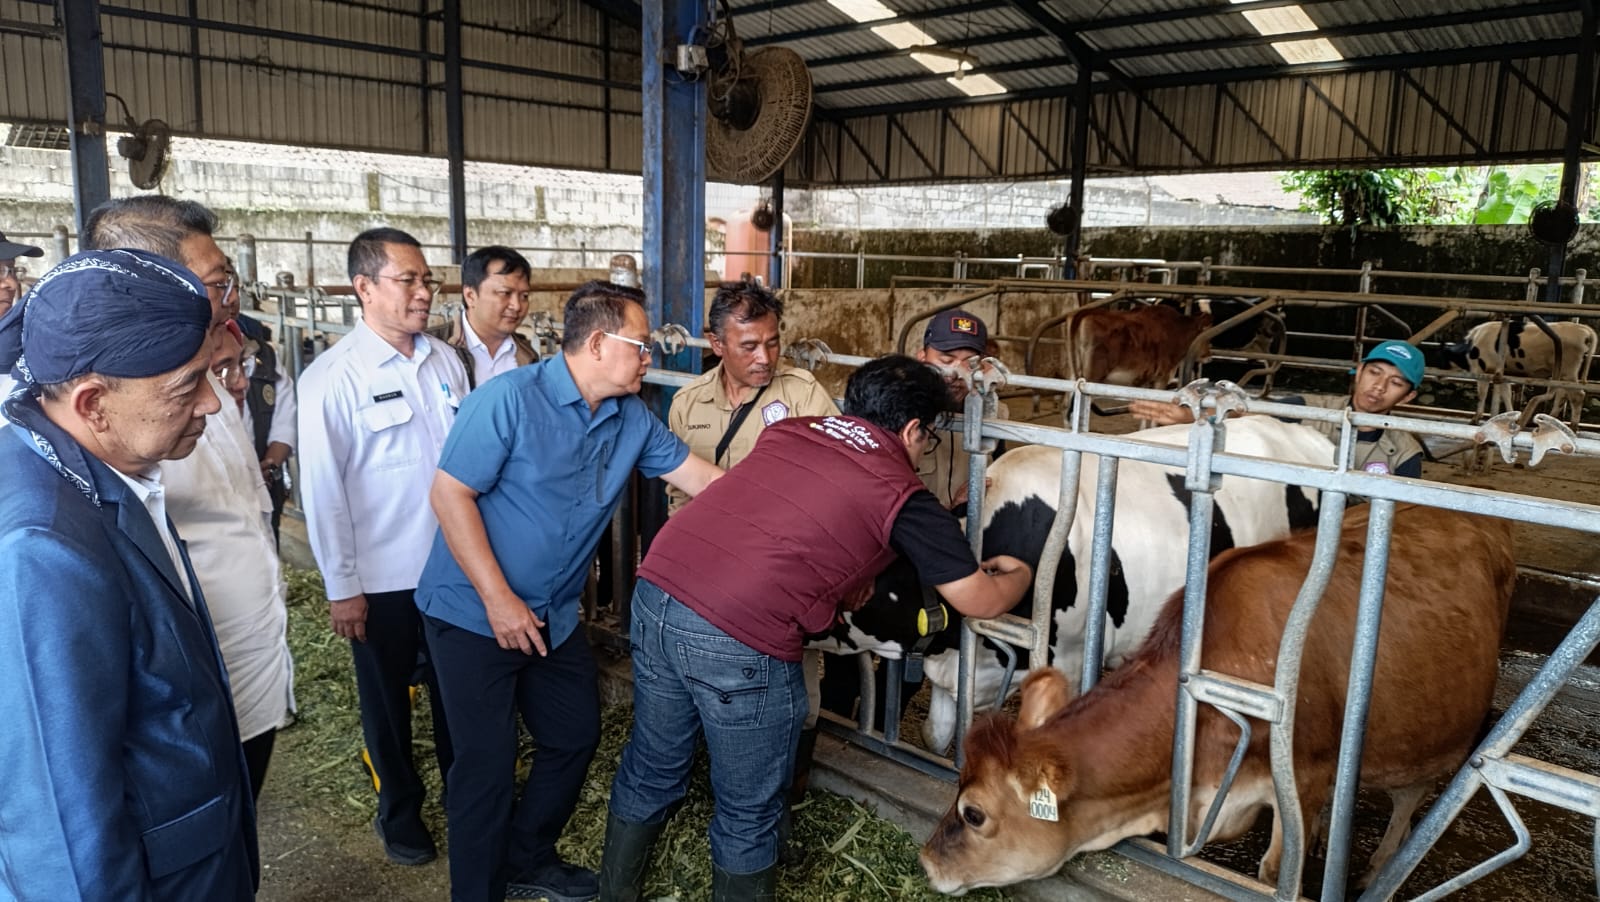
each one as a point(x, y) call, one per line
point(1141, 348)
point(1149, 544)
point(1107, 756)
point(1495, 348)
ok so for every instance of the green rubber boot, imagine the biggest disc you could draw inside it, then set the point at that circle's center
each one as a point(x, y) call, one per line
point(758, 887)
point(626, 859)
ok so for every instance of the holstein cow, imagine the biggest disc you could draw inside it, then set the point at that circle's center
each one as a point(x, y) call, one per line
point(1525, 352)
point(1149, 544)
point(1141, 348)
point(1106, 758)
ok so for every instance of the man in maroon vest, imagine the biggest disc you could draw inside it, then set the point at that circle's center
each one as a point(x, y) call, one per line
point(734, 582)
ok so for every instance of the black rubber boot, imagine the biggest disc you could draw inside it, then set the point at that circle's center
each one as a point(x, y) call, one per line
point(758, 887)
point(626, 859)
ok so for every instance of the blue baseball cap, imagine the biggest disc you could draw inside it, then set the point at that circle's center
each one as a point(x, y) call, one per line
point(1405, 357)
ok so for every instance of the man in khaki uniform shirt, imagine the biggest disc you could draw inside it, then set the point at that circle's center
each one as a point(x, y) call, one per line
point(744, 332)
point(953, 338)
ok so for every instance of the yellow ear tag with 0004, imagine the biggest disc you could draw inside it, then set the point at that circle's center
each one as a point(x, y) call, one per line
point(1042, 804)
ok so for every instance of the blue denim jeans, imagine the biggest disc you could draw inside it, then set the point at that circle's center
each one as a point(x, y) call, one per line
point(689, 679)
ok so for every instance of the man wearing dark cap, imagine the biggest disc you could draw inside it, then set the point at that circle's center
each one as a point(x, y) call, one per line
point(955, 340)
point(120, 757)
point(10, 273)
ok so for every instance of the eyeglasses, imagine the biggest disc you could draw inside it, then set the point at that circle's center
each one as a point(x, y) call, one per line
point(225, 286)
point(934, 438)
point(643, 346)
point(7, 272)
point(410, 282)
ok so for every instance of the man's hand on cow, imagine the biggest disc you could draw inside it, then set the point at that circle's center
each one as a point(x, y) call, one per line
point(958, 498)
point(515, 627)
point(1002, 564)
point(348, 617)
point(1161, 413)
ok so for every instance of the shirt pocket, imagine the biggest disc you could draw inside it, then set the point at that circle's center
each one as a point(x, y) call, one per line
point(187, 839)
point(390, 441)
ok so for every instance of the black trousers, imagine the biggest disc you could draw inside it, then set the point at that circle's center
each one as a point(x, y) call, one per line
point(485, 688)
point(386, 667)
point(257, 753)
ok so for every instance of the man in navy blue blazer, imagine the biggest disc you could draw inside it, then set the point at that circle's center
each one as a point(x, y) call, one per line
point(120, 759)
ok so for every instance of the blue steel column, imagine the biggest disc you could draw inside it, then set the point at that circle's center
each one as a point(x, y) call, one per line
point(455, 130)
point(673, 273)
point(775, 238)
point(674, 175)
point(86, 105)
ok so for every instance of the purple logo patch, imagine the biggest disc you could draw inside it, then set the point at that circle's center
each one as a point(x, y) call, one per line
point(774, 412)
point(1378, 467)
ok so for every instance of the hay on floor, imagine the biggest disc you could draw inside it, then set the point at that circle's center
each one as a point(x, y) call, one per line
point(849, 853)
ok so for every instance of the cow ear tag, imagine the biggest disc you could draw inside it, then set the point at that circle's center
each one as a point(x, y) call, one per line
point(1042, 804)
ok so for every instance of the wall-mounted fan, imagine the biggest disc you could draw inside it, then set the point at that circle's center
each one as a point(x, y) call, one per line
point(145, 148)
point(1553, 223)
point(760, 105)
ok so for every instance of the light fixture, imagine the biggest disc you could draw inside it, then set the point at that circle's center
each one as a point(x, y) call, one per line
point(977, 85)
point(1315, 50)
point(943, 60)
point(1291, 20)
point(903, 35)
point(863, 10)
point(921, 47)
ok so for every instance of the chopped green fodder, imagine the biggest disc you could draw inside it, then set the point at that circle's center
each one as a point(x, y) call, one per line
point(849, 853)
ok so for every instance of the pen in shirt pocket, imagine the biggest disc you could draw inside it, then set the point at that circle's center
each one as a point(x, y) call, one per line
point(449, 398)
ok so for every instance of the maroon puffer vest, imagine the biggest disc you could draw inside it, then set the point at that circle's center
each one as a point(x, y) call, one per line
point(766, 552)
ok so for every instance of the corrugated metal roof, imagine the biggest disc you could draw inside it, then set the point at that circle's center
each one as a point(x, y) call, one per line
point(1177, 83)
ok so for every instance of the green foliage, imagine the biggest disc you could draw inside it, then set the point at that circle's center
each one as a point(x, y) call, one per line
point(1354, 198)
point(1510, 193)
point(1492, 195)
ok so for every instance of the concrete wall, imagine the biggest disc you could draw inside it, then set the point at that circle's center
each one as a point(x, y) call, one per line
point(1494, 250)
point(279, 194)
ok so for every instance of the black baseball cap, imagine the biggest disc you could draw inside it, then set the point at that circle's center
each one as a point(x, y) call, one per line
point(10, 250)
point(956, 330)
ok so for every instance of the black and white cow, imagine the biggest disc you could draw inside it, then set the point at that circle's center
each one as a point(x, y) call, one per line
point(1494, 348)
point(1149, 544)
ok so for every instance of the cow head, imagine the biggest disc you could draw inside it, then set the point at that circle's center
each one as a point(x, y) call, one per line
point(1011, 820)
point(1456, 356)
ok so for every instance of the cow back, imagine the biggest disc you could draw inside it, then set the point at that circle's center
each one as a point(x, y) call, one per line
point(1447, 595)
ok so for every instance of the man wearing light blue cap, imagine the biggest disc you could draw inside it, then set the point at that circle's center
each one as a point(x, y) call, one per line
point(1389, 376)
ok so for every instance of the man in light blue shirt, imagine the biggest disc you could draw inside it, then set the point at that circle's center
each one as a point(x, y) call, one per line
point(528, 479)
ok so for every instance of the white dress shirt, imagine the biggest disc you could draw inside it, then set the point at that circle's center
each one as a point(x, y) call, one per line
point(283, 427)
point(220, 505)
point(486, 365)
point(152, 494)
point(372, 424)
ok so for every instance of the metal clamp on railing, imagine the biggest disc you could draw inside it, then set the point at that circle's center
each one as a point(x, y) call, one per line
point(672, 338)
point(1216, 402)
point(809, 352)
point(1550, 434)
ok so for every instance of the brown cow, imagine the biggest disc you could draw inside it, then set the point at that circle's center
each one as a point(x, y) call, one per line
point(1107, 756)
point(1142, 348)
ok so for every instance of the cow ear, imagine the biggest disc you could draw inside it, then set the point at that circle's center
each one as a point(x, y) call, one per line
point(1044, 693)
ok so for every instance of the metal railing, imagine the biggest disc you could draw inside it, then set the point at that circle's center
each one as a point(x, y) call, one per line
point(1203, 462)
